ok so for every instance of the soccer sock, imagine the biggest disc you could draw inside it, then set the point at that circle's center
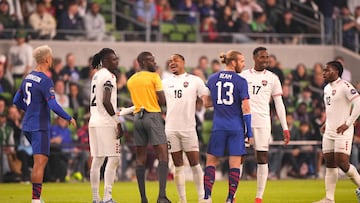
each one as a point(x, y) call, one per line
point(241, 171)
point(140, 176)
point(262, 175)
point(109, 176)
point(36, 190)
point(209, 179)
point(331, 176)
point(163, 170)
point(353, 174)
point(234, 175)
point(198, 177)
point(180, 182)
point(95, 176)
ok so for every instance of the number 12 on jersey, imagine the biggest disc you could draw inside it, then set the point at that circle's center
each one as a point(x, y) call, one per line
point(228, 87)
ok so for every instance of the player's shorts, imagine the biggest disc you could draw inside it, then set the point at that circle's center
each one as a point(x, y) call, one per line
point(337, 145)
point(103, 142)
point(186, 141)
point(226, 143)
point(262, 138)
point(40, 141)
point(149, 129)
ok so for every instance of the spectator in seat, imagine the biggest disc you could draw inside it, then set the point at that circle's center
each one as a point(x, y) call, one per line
point(287, 25)
point(70, 24)
point(7, 21)
point(42, 22)
point(95, 25)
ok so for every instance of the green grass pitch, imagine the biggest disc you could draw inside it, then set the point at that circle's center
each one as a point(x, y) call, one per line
point(280, 191)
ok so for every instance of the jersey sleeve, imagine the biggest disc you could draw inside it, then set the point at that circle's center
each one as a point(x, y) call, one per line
point(349, 90)
point(243, 89)
point(47, 89)
point(277, 90)
point(158, 83)
point(202, 90)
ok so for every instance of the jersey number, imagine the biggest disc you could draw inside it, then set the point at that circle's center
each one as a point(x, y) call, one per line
point(93, 103)
point(229, 93)
point(178, 93)
point(256, 89)
point(27, 100)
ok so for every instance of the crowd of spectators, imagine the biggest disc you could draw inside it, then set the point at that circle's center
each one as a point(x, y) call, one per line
point(217, 21)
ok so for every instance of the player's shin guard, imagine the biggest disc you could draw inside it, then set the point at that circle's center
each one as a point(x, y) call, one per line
point(198, 177)
point(331, 176)
point(262, 175)
point(140, 176)
point(234, 175)
point(109, 176)
point(163, 170)
point(36, 190)
point(353, 174)
point(209, 179)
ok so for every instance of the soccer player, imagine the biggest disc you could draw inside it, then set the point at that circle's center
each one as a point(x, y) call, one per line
point(181, 91)
point(104, 125)
point(230, 98)
point(342, 108)
point(36, 97)
point(147, 96)
point(263, 85)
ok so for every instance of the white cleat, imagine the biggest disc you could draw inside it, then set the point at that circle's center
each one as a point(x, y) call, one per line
point(205, 201)
point(325, 200)
point(357, 192)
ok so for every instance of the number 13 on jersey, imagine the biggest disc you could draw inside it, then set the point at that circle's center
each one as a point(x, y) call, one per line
point(228, 87)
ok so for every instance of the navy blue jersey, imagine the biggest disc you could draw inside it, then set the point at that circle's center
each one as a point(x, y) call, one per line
point(36, 90)
point(228, 90)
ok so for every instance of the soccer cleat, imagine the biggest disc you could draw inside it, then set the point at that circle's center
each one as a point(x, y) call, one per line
point(229, 201)
point(94, 201)
point(163, 200)
point(325, 200)
point(258, 200)
point(205, 201)
point(109, 201)
point(357, 192)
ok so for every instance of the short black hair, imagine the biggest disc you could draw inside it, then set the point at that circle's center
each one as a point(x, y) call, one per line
point(337, 65)
point(142, 56)
point(256, 50)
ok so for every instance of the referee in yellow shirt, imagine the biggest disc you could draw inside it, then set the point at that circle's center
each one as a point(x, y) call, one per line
point(147, 96)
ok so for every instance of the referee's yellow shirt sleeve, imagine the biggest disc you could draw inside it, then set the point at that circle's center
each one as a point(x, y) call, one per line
point(158, 83)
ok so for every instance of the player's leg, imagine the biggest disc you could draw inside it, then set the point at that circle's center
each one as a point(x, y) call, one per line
point(262, 140)
point(109, 176)
point(154, 125)
point(41, 148)
point(191, 147)
point(174, 146)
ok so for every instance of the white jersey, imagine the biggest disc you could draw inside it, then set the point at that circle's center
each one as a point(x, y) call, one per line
point(99, 116)
point(262, 85)
point(181, 92)
point(338, 96)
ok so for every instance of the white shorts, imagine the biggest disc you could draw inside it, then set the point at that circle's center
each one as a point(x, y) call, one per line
point(337, 145)
point(103, 142)
point(262, 138)
point(186, 141)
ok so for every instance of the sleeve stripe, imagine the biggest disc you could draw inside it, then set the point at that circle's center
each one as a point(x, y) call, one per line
point(278, 94)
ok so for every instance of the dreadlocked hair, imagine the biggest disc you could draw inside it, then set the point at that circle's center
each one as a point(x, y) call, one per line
point(98, 57)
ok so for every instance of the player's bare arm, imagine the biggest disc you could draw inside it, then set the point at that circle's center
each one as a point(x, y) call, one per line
point(246, 111)
point(161, 98)
point(281, 112)
point(207, 101)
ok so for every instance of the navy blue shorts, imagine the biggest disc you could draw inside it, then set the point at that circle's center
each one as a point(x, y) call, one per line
point(40, 141)
point(226, 143)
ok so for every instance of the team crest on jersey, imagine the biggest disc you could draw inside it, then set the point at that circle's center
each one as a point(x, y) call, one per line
point(353, 91)
point(333, 92)
point(264, 82)
point(186, 84)
point(51, 90)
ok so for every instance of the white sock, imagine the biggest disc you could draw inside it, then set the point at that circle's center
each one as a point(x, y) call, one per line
point(198, 177)
point(35, 201)
point(109, 176)
point(262, 175)
point(353, 174)
point(179, 179)
point(241, 170)
point(95, 177)
point(331, 176)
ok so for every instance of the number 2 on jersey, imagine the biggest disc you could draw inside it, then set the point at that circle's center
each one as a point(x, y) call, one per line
point(229, 93)
point(93, 100)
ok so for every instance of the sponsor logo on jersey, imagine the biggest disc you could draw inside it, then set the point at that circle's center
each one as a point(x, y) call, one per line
point(264, 82)
point(333, 92)
point(186, 84)
point(353, 91)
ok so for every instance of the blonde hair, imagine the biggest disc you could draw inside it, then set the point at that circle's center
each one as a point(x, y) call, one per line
point(229, 56)
point(40, 53)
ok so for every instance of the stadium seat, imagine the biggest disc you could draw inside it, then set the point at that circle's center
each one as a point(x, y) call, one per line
point(166, 29)
point(207, 125)
point(176, 37)
point(17, 83)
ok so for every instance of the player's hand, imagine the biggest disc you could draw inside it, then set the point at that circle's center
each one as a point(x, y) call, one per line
point(119, 131)
point(322, 129)
point(341, 129)
point(286, 134)
point(251, 141)
point(73, 122)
